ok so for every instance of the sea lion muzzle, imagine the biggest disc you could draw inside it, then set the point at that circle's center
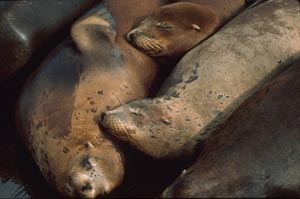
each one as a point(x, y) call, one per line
point(147, 44)
point(112, 123)
point(132, 35)
point(117, 124)
point(88, 179)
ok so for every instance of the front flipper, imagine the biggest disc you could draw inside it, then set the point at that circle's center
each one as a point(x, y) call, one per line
point(94, 29)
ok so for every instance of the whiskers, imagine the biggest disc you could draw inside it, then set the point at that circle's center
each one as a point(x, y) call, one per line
point(116, 127)
point(150, 46)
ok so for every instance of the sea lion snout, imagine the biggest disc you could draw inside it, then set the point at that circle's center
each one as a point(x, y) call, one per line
point(87, 179)
point(134, 34)
point(118, 124)
point(81, 185)
point(147, 43)
point(130, 36)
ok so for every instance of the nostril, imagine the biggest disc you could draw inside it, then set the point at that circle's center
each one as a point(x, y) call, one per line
point(86, 163)
point(102, 116)
point(87, 186)
point(130, 36)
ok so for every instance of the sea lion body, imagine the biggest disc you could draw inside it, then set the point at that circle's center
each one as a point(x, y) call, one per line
point(255, 153)
point(211, 81)
point(56, 112)
point(24, 25)
point(172, 30)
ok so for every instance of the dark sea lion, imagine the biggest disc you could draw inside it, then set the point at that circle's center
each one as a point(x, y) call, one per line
point(24, 25)
point(255, 153)
point(211, 81)
point(173, 29)
point(56, 112)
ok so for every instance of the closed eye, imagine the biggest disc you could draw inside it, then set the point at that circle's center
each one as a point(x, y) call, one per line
point(136, 113)
point(164, 26)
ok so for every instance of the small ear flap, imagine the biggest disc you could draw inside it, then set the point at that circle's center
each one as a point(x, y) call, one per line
point(89, 145)
point(165, 120)
point(196, 27)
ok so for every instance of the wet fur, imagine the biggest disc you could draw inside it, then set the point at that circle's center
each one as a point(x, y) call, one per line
point(255, 153)
point(213, 79)
point(57, 108)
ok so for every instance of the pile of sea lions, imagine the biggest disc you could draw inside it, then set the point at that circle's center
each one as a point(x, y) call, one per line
point(231, 98)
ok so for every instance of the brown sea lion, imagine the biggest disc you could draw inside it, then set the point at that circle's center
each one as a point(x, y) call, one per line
point(25, 25)
point(255, 153)
point(173, 29)
point(93, 72)
point(211, 81)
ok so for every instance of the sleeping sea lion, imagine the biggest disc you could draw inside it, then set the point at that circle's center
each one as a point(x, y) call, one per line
point(255, 153)
point(173, 29)
point(211, 81)
point(93, 72)
point(25, 25)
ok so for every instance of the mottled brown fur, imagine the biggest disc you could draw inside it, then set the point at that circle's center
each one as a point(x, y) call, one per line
point(93, 72)
point(255, 153)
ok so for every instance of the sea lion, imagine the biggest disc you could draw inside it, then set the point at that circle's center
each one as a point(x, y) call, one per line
point(211, 81)
point(255, 153)
point(91, 73)
point(25, 25)
point(172, 30)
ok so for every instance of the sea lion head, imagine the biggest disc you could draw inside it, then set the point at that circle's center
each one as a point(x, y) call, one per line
point(138, 123)
point(94, 172)
point(173, 29)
